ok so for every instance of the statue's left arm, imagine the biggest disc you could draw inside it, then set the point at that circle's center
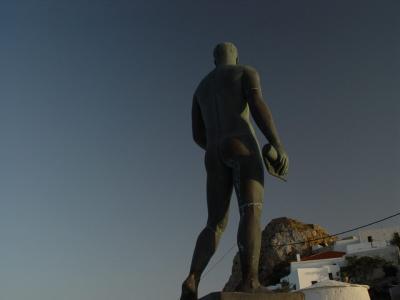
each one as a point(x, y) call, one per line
point(198, 128)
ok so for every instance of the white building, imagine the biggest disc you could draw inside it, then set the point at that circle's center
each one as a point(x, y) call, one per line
point(341, 245)
point(365, 246)
point(315, 268)
point(378, 234)
point(326, 265)
point(389, 253)
point(353, 244)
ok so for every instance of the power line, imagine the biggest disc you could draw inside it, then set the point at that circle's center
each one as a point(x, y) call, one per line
point(339, 233)
point(218, 261)
point(305, 241)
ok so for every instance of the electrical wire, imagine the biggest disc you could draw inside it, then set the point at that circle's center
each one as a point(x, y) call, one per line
point(305, 241)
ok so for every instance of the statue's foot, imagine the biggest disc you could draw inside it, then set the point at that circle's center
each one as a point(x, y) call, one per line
point(252, 287)
point(189, 289)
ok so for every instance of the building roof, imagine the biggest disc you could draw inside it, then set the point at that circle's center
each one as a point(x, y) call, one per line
point(324, 255)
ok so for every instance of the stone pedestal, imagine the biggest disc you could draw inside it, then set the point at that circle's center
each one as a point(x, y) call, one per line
point(246, 296)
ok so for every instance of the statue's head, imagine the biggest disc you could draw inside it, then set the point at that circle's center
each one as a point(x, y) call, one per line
point(226, 53)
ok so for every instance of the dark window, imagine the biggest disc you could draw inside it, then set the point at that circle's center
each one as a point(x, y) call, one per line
point(330, 276)
point(314, 282)
point(369, 239)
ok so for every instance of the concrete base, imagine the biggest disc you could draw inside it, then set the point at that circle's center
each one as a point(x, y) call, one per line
point(261, 296)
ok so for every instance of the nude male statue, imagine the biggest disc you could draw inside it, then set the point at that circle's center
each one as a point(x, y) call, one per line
point(221, 126)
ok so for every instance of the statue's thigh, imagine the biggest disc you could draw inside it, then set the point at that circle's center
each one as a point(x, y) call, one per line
point(219, 189)
point(249, 180)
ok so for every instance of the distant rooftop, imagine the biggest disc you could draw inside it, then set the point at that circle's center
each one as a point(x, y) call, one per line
point(324, 255)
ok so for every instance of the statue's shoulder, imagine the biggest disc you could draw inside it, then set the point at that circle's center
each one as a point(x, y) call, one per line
point(204, 82)
point(249, 70)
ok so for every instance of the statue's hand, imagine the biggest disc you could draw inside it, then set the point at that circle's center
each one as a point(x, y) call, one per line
point(282, 162)
point(276, 160)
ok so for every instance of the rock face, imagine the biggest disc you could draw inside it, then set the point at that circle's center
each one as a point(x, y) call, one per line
point(278, 249)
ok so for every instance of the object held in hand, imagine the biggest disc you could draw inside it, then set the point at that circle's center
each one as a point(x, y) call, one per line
point(270, 157)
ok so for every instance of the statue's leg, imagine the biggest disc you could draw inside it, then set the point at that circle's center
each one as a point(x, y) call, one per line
point(249, 232)
point(219, 191)
point(248, 178)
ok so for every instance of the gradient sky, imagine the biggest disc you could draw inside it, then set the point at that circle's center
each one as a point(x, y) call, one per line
point(102, 188)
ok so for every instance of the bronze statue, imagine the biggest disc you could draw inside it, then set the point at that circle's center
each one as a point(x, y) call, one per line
point(221, 126)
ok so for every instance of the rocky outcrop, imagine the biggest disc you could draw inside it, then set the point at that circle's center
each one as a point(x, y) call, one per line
point(282, 239)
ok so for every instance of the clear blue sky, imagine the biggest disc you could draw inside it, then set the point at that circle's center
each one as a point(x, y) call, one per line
point(102, 188)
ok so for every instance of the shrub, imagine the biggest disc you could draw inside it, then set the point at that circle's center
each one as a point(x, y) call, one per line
point(390, 270)
point(395, 240)
point(359, 269)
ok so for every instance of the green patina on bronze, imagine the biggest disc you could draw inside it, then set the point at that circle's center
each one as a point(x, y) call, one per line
point(222, 104)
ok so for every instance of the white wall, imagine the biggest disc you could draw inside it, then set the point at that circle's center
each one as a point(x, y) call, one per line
point(317, 263)
point(337, 293)
point(307, 275)
point(365, 246)
point(303, 277)
point(341, 245)
point(378, 234)
point(389, 253)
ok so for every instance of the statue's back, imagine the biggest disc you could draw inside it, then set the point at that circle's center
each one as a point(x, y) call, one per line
point(223, 105)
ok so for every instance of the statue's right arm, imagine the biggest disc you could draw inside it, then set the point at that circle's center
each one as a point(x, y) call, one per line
point(259, 109)
point(262, 114)
point(198, 128)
